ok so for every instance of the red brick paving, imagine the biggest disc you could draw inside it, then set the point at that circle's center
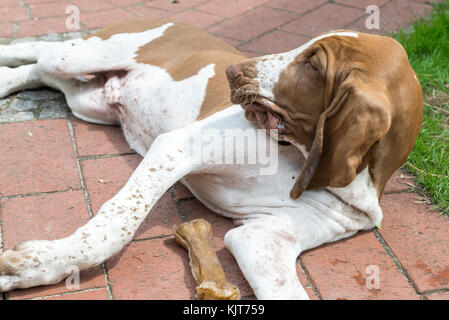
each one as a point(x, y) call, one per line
point(96, 139)
point(328, 17)
point(438, 296)
point(418, 237)
point(37, 157)
point(159, 270)
point(96, 294)
point(343, 270)
point(43, 216)
point(248, 26)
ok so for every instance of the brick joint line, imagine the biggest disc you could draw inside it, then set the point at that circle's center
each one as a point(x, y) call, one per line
point(104, 156)
point(31, 194)
point(396, 262)
point(178, 204)
point(309, 278)
point(67, 293)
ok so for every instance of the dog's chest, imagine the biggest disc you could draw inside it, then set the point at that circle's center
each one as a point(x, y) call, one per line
point(149, 102)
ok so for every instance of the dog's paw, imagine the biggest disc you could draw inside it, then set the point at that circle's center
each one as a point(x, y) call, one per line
point(29, 264)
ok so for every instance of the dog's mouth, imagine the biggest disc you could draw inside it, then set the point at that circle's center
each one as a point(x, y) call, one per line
point(266, 118)
point(259, 109)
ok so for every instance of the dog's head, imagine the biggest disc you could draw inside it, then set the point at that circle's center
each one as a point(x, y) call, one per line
point(347, 100)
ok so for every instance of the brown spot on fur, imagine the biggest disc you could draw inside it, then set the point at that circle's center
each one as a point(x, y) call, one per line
point(199, 49)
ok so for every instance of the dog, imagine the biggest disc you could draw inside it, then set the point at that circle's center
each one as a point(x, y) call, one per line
point(340, 114)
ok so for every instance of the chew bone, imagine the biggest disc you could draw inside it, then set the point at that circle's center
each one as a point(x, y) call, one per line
point(195, 236)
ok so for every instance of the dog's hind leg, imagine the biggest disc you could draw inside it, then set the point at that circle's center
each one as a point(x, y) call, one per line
point(85, 99)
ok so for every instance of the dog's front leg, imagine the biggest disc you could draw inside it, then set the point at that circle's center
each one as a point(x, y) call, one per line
point(34, 263)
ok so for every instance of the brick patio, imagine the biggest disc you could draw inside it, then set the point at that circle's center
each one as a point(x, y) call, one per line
point(56, 171)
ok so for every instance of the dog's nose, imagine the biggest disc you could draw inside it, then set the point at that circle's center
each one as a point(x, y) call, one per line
point(233, 72)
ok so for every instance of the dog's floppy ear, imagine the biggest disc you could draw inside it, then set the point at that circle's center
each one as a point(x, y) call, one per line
point(355, 118)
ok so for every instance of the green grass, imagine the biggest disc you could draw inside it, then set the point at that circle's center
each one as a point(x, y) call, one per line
point(427, 44)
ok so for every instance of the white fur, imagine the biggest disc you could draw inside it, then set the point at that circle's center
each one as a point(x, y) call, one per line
point(158, 118)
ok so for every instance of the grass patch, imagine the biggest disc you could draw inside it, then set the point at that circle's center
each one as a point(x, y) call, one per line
point(427, 45)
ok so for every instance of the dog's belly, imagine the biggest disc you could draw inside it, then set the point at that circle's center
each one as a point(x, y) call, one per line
point(149, 102)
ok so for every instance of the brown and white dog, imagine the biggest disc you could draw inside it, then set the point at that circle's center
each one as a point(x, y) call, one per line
point(345, 107)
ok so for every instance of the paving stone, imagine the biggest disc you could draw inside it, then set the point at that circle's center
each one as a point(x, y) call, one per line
point(232, 42)
point(44, 216)
point(248, 26)
point(306, 285)
point(16, 117)
point(23, 40)
point(173, 6)
point(362, 4)
point(104, 18)
point(92, 5)
point(4, 103)
point(33, 104)
point(54, 110)
point(229, 8)
point(96, 139)
point(36, 1)
point(345, 270)
point(52, 9)
point(6, 28)
point(152, 269)
point(196, 18)
point(9, 3)
point(40, 94)
point(41, 26)
point(275, 41)
point(142, 11)
point(22, 105)
point(123, 3)
point(418, 237)
point(96, 294)
point(438, 296)
point(298, 6)
point(326, 18)
point(13, 13)
point(399, 13)
point(36, 156)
